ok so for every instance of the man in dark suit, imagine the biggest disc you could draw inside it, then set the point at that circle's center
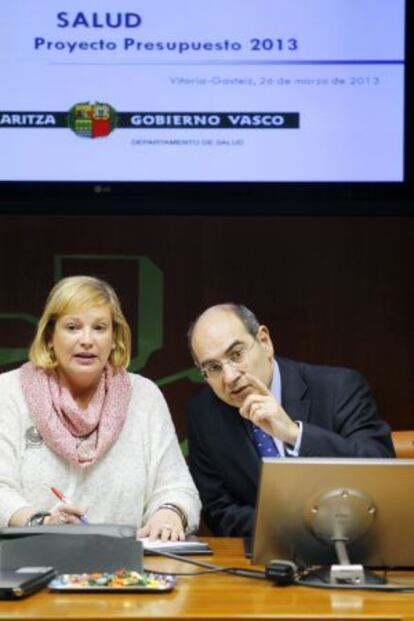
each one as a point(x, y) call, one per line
point(257, 405)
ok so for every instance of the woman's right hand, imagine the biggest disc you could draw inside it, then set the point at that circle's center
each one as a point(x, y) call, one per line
point(65, 513)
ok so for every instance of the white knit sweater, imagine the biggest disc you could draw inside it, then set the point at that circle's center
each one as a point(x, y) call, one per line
point(142, 470)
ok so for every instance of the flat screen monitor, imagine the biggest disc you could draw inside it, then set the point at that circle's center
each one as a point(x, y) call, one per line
point(368, 502)
point(113, 97)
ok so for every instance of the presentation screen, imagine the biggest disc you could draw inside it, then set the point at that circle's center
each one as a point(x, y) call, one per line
point(256, 91)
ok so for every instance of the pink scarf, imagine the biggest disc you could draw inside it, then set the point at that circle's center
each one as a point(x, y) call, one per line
point(80, 436)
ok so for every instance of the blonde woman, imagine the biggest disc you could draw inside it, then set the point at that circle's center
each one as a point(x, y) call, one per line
point(74, 418)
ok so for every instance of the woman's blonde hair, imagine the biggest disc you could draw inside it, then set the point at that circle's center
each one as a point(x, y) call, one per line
point(80, 293)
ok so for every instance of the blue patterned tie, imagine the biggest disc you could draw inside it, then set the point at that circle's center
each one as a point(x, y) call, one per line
point(265, 445)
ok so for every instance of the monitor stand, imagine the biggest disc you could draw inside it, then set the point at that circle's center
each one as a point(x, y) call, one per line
point(338, 517)
point(344, 573)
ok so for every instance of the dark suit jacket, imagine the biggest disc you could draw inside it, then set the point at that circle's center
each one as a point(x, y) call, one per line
point(339, 417)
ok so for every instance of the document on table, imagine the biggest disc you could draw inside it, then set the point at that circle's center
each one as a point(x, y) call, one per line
point(192, 545)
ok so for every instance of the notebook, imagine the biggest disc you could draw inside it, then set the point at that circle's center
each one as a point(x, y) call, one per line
point(191, 545)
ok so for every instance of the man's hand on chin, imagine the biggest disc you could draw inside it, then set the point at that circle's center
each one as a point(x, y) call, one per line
point(262, 409)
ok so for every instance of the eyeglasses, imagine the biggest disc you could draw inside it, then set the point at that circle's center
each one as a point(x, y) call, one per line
point(237, 357)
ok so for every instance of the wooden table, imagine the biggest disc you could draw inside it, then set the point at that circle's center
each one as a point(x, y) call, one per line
point(215, 596)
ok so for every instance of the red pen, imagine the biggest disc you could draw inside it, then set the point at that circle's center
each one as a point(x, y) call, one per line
point(63, 498)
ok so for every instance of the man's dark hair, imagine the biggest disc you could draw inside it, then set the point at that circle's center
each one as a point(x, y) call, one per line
point(246, 316)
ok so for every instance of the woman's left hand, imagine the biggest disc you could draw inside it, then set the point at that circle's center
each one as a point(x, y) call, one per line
point(163, 524)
